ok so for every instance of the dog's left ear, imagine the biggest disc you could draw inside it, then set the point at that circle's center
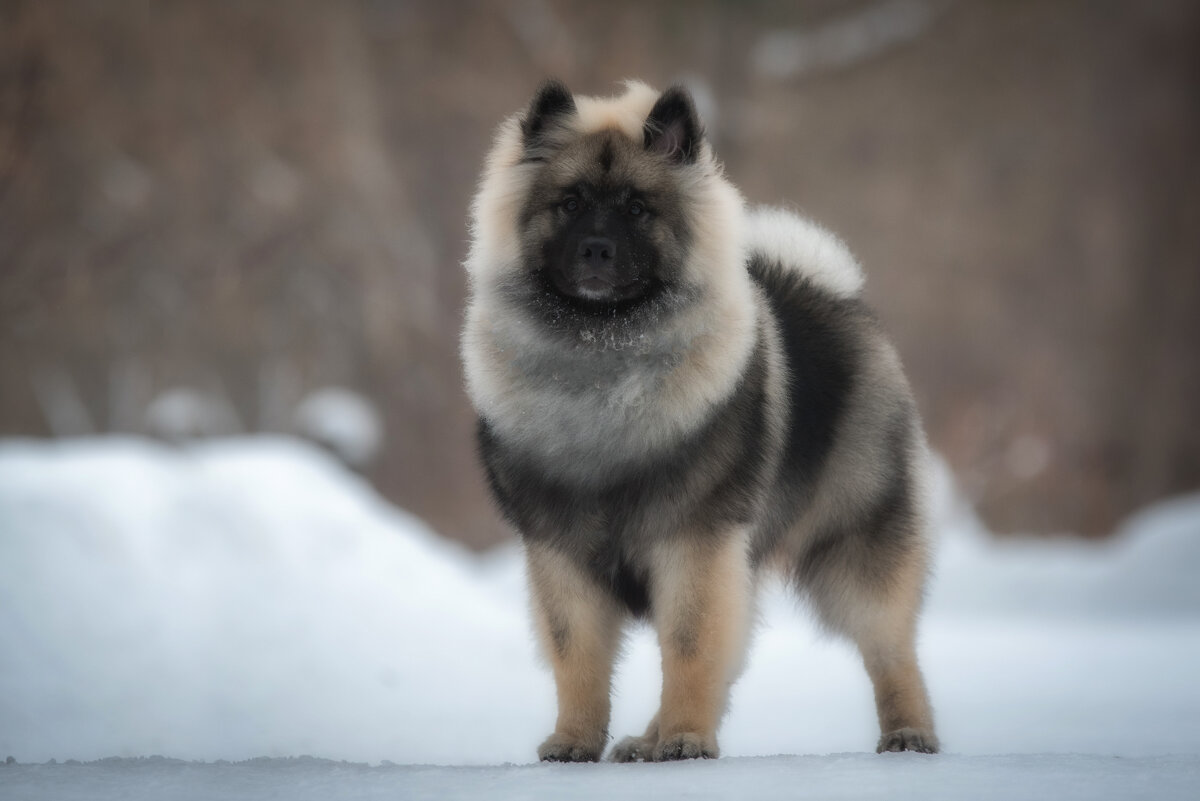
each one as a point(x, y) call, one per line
point(673, 127)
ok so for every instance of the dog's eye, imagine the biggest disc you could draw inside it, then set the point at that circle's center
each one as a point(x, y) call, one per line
point(636, 208)
point(570, 204)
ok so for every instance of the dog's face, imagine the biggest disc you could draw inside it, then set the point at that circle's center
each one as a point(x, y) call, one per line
point(604, 224)
point(597, 232)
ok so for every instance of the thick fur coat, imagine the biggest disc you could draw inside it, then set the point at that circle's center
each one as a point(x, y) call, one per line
point(676, 393)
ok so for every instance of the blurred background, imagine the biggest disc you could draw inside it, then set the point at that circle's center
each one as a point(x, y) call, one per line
point(220, 218)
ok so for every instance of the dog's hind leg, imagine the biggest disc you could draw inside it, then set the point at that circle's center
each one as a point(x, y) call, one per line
point(580, 629)
point(905, 718)
point(885, 637)
point(878, 610)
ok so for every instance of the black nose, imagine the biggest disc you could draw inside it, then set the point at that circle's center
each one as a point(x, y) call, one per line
point(598, 252)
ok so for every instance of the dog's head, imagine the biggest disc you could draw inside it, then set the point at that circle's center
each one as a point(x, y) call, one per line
point(604, 223)
point(608, 276)
point(603, 204)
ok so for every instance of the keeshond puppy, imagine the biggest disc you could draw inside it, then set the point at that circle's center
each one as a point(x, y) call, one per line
point(676, 394)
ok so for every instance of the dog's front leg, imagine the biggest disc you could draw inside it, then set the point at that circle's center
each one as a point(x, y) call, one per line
point(702, 593)
point(580, 629)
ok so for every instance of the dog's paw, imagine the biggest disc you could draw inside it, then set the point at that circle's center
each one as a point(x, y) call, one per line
point(564, 748)
point(633, 749)
point(685, 746)
point(906, 739)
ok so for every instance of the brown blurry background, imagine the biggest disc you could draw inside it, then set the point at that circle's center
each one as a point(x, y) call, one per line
point(239, 203)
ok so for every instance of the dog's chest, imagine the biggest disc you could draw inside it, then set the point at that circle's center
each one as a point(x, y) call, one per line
point(588, 404)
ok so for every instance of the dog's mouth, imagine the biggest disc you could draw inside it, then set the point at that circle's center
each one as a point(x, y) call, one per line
point(598, 289)
point(591, 287)
point(596, 294)
point(595, 286)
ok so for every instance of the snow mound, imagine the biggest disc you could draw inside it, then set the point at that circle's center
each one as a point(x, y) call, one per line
point(344, 421)
point(1145, 572)
point(230, 600)
point(252, 598)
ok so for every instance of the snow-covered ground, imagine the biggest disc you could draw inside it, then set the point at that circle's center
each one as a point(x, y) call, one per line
point(250, 598)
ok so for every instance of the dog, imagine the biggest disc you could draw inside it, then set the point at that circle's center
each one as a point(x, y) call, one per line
point(677, 394)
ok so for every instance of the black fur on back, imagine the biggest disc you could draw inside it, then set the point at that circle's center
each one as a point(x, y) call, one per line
point(825, 340)
point(821, 339)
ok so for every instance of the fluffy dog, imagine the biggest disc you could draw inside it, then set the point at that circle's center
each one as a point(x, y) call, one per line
point(675, 394)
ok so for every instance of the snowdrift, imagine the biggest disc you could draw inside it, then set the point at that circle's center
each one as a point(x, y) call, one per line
point(250, 598)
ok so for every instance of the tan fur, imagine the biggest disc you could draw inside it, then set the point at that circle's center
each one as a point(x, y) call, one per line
point(626, 113)
point(703, 602)
point(580, 632)
point(884, 628)
point(638, 749)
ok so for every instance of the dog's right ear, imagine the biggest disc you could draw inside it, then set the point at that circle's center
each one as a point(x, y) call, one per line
point(550, 105)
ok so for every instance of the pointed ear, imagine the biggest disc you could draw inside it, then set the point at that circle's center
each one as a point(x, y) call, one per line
point(673, 127)
point(552, 102)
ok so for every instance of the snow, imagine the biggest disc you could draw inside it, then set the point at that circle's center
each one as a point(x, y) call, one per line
point(344, 421)
point(182, 413)
point(825, 778)
point(250, 598)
